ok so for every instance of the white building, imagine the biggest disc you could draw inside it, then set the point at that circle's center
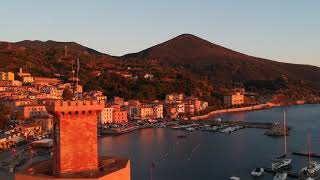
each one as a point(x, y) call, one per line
point(106, 115)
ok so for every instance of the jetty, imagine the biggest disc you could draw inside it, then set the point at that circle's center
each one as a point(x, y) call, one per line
point(118, 131)
point(316, 155)
point(290, 174)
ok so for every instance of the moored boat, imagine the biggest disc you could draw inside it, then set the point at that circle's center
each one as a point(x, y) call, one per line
point(235, 178)
point(313, 168)
point(257, 172)
point(282, 162)
point(280, 176)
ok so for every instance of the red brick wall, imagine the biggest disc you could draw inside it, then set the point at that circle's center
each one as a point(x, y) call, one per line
point(76, 148)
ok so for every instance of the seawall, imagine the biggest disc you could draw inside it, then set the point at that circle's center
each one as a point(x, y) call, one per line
point(223, 111)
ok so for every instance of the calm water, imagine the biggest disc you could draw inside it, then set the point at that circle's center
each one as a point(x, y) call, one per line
point(215, 156)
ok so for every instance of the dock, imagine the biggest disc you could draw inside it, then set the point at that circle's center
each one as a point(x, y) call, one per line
point(316, 155)
point(118, 131)
point(290, 174)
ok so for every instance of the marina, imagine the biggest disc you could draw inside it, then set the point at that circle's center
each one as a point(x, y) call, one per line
point(170, 149)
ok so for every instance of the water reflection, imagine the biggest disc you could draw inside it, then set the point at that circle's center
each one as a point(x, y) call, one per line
point(216, 156)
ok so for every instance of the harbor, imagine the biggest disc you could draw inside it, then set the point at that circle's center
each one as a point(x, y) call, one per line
point(171, 148)
point(166, 150)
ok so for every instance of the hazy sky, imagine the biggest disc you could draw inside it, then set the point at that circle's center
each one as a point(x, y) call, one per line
point(283, 30)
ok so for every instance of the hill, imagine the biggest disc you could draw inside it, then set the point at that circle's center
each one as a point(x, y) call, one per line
point(219, 63)
point(186, 64)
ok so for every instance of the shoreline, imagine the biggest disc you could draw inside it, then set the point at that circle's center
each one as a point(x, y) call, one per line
point(214, 113)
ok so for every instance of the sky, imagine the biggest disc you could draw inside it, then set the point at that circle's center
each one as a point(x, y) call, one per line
point(282, 30)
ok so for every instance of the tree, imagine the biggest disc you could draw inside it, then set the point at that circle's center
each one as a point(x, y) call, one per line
point(67, 94)
point(5, 115)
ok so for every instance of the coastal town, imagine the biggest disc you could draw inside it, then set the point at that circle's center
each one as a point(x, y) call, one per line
point(23, 100)
point(28, 123)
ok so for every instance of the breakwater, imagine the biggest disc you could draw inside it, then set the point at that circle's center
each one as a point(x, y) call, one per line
point(232, 110)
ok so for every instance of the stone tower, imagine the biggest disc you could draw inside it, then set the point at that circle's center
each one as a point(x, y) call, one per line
point(75, 135)
point(75, 152)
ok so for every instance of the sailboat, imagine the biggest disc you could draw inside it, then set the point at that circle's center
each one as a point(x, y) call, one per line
point(313, 167)
point(282, 161)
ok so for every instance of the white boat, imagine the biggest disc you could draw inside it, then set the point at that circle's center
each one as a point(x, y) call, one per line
point(280, 176)
point(311, 169)
point(226, 130)
point(234, 178)
point(231, 129)
point(218, 119)
point(190, 129)
point(282, 162)
point(257, 172)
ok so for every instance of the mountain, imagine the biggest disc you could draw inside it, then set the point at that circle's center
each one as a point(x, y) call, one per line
point(216, 62)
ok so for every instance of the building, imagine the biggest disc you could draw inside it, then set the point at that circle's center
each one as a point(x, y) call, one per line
point(29, 130)
point(6, 76)
point(233, 99)
point(31, 111)
point(46, 123)
point(120, 116)
point(75, 147)
point(171, 111)
point(27, 79)
point(46, 81)
point(142, 112)
point(189, 109)
point(173, 98)
point(106, 115)
point(13, 104)
point(52, 91)
point(158, 111)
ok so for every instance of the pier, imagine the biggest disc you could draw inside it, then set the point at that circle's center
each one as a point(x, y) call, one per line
point(118, 131)
point(316, 155)
point(290, 174)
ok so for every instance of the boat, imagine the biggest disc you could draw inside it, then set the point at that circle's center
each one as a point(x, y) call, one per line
point(282, 162)
point(175, 127)
point(257, 172)
point(214, 128)
point(226, 130)
point(231, 129)
point(190, 129)
point(218, 119)
point(280, 176)
point(234, 178)
point(313, 168)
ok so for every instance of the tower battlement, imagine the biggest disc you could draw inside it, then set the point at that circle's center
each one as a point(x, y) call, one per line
point(75, 108)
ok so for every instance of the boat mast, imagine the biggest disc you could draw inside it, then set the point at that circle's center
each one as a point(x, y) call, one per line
point(309, 148)
point(285, 132)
